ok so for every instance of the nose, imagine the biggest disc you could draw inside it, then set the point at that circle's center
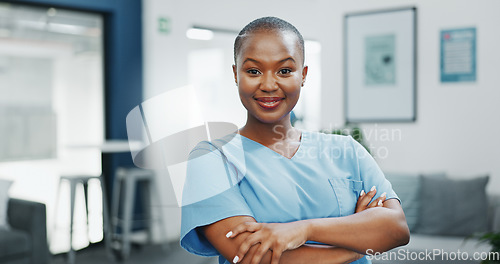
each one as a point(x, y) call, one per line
point(268, 83)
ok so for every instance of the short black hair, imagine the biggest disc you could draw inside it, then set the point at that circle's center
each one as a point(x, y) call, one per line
point(267, 24)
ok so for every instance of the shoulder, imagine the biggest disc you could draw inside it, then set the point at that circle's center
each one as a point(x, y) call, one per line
point(210, 170)
point(216, 146)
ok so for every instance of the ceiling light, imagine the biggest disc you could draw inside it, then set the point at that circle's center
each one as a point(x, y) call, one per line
point(199, 34)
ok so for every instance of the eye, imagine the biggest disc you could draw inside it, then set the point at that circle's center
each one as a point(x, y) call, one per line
point(253, 71)
point(285, 71)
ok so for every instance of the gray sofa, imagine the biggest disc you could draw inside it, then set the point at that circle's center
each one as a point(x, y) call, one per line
point(25, 242)
point(442, 212)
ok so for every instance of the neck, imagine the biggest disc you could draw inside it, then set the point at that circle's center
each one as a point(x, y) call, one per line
point(270, 133)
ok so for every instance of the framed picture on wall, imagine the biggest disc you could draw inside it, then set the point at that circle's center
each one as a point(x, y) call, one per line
point(380, 66)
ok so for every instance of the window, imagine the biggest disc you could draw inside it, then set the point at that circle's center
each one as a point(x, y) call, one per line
point(51, 110)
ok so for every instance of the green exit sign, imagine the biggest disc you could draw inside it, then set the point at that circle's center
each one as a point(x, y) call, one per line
point(164, 25)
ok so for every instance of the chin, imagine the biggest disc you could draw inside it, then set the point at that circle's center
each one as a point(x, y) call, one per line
point(270, 118)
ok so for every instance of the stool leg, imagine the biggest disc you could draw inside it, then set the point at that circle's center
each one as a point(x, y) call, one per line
point(116, 251)
point(127, 216)
point(71, 253)
point(86, 197)
point(115, 204)
point(147, 210)
point(56, 209)
point(163, 230)
point(106, 232)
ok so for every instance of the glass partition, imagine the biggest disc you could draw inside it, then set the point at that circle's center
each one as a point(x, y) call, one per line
point(51, 111)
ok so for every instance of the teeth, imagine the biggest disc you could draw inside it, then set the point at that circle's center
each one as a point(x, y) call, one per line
point(270, 103)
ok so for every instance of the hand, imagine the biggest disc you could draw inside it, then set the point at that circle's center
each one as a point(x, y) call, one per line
point(365, 198)
point(356, 256)
point(277, 237)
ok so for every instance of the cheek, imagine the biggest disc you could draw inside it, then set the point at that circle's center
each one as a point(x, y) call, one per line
point(244, 93)
point(292, 86)
point(246, 87)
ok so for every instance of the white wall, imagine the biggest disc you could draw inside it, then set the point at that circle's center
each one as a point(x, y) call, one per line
point(456, 123)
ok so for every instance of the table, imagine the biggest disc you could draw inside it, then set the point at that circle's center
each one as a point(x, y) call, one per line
point(107, 147)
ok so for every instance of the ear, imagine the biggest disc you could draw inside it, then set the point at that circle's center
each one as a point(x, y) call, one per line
point(304, 74)
point(235, 74)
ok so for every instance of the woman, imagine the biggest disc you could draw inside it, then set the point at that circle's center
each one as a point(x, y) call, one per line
point(300, 196)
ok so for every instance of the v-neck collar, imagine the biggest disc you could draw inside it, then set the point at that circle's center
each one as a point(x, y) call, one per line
point(302, 140)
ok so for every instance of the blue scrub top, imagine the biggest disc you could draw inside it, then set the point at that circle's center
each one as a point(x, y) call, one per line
point(236, 176)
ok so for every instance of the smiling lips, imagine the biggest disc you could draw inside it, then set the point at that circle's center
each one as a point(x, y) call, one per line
point(269, 102)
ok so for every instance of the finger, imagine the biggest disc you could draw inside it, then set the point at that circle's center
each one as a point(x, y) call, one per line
point(364, 200)
point(362, 203)
point(245, 246)
point(373, 204)
point(373, 190)
point(261, 251)
point(379, 201)
point(276, 256)
point(370, 194)
point(360, 197)
point(243, 227)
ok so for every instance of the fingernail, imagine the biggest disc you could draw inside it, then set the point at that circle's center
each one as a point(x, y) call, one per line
point(230, 233)
point(235, 260)
point(373, 188)
point(379, 202)
point(362, 193)
point(383, 194)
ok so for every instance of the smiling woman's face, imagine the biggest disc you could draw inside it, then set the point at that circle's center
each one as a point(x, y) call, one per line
point(269, 73)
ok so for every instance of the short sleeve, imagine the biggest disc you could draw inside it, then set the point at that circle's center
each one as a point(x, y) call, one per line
point(371, 174)
point(213, 196)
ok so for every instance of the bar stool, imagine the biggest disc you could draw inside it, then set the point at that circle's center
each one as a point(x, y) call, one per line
point(73, 181)
point(124, 186)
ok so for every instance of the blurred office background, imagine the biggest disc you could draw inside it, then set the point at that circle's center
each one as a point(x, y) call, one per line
point(70, 71)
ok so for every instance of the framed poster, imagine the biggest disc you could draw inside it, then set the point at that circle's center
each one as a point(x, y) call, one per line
point(380, 66)
point(458, 55)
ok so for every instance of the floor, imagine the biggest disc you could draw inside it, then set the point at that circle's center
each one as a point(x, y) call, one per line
point(154, 254)
point(174, 254)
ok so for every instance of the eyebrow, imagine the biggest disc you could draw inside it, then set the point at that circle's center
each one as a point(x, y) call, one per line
point(256, 61)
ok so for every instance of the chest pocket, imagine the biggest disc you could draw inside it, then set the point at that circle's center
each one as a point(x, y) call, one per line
point(347, 193)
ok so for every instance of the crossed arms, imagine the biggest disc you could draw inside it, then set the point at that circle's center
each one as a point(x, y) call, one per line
point(378, 225)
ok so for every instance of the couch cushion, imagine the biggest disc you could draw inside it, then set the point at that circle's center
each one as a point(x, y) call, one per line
point(494, 212)
point(407, 187)
point(455, 207)
point(13, 242)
